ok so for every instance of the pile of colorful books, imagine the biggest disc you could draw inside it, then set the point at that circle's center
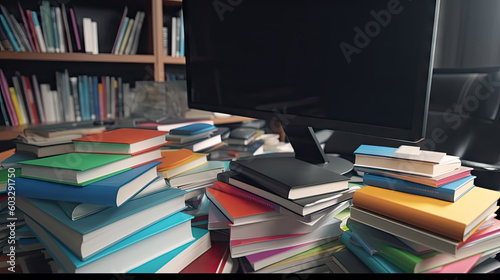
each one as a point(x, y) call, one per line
point(279, 221)
point(197, 137)
point(103, 208)
point(420, 211)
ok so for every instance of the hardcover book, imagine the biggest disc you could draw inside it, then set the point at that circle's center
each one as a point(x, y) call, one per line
point(290, 178)
point(455, 220)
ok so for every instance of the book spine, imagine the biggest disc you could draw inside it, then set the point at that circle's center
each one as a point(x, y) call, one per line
point(12, 28)
point(75, 29)
point(76, 97)
point(55, 33)
point(32, 30)
point(120, 27)
point(38, 97)
point(67, 30)
point(25, 22)
point(46, 17)
point(90, 90)
point(30, 100)
point(408, 187)
point(38, 31)
point(60, 30)
point(9, 102)
point(96, 97)
point(126, 36)
point(20, 99)
point(87, 35)
point(121, 35)
point(3, 108)
point(10, 35)
point(4, 39)
point(95, 38)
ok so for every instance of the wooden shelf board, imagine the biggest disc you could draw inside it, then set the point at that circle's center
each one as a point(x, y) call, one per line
point(77, 57)
point(174, 60)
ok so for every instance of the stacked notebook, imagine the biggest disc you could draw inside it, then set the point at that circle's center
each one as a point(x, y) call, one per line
point(420, 212)
point(272, 216)
point(94, 208)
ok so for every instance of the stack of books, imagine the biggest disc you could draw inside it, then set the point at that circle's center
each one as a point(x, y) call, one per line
point(420, 211)
point(197, 137)
point(241, 142)
point(94, 208)
point(276, 220)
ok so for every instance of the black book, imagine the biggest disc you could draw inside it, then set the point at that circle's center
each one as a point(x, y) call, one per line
point(289, 177)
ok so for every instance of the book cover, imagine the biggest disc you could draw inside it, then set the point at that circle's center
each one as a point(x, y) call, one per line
point(386, 158)
point(84, 236)
point(192, 129)
point(239, 210)
point(83, 168)
point(455, 220)
point(197, 159)
point(174, 157)
point(179, 258)
point(289, 177)
point(449, 192)
point(216, 260)
point(199, 174)
point(171, 232)
point(120, 141)
point(112, 191)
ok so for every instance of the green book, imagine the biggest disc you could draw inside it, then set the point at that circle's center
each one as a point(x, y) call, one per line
point(81, 169)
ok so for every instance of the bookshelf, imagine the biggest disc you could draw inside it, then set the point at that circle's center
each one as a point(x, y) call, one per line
point(147, 62)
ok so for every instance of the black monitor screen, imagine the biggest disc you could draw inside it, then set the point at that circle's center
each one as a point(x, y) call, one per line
point(361, 66)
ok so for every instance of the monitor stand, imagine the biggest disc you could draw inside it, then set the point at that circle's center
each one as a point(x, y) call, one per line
point(307, 148)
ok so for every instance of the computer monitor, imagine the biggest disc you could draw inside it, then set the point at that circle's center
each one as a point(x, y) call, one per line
point(360, 66)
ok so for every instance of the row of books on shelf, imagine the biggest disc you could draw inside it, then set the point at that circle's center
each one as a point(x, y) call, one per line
point(420, 212)
point(75, 98)
point(54, 29)
point(173, 38)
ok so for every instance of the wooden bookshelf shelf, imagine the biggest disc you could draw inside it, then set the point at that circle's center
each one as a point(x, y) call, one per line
point(77, 57)
point(174, 60)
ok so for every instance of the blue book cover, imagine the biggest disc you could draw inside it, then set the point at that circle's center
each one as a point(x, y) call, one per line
point(157, 263)
point(70, 262)
point(376, 263)
point(76, 234)
point(448, 192)
point(112, 191)
point(12, 39)
point(192, 129)
point(375, 150)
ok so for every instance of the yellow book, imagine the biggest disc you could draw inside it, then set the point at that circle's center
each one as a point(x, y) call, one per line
point(195, 160)
point(18, 108)
point(126, 35)
point(455, 220)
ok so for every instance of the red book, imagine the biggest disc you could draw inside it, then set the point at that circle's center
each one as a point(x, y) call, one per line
point(31, 99)
point(216, 260)
point(239, 210)
point(32, 30)
point(121, 141)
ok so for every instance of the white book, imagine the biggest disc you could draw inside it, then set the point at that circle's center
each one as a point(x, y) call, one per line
point(165, 41)
point(70, 103)
point(60, 30)
point(87, 35)
point(76, 100)
point(173, 45)
point(177, 36)
point(95, 40)
point(47, 103)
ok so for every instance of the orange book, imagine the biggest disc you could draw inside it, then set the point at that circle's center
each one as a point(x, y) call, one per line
point(455, 220)
point(197, 159)
point(121, 141)
point(173, 157)
point(239, 210)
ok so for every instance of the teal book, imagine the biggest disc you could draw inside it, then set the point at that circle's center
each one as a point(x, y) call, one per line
point(169, 262)
point(10, 35)
point(374, 262)
point(448, 192)
point(92, 234)
point(127, 254)
point(82, 169)
point(112, 191)
point(47, 26)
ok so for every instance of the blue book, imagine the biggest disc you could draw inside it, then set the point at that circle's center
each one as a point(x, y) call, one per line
point(166, 262)
point(95, 91)
point(12, 39)
point(127, 254)
point(88, 236)
point(122, 33)
point(86, 97)
point(374, 262)
point(112, 191)
point(448, 192)
point(81, 97)
point(192, 129)
point(90, 90)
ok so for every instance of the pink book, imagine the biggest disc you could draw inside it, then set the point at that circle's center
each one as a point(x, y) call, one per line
point(8, 101)
point(25, 22)
point(482, 233)
point(75, 29)
point(461, 266)
point(125, 10)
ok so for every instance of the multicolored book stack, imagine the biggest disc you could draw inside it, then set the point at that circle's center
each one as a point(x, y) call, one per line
point(420, 211)
point(94, 208)
point(272, 231)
